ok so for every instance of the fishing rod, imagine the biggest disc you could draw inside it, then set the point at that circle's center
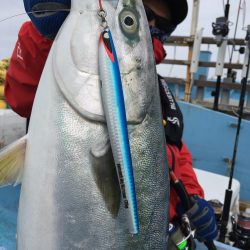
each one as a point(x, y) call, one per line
point(229, 72)
point(229, 191)
point(187, 203)
point(220, 30)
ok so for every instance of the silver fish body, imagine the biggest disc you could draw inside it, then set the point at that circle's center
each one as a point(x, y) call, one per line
point(70, 196)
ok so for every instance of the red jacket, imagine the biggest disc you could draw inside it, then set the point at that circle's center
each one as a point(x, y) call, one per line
point(184, 171)
point(26, 66)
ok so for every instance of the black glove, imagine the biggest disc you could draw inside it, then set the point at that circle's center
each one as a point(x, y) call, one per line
point(201, 216)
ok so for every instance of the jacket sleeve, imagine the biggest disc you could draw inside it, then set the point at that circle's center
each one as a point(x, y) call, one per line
point(188, 175)
point(25, 69)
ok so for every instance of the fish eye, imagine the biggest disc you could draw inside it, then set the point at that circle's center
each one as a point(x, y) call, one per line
point(129, 22)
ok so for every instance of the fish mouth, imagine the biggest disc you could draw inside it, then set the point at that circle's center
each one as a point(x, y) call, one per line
point(48, 9)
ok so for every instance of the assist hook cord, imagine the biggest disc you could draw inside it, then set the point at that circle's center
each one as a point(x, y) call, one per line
point(32, 12)
point(102, 14)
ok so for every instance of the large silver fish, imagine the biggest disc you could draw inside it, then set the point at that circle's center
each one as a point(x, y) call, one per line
point(70, 197)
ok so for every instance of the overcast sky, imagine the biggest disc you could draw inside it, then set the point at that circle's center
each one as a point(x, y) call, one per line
point(9, 28)
point(209, 10)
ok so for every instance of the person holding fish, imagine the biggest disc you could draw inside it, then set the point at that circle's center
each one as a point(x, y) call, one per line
point(35, 39)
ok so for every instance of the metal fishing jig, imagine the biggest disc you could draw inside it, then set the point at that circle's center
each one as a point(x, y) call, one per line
point(115, 113)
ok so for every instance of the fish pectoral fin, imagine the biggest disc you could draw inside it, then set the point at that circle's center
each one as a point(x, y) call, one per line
point(12, 162)
point(105, 175)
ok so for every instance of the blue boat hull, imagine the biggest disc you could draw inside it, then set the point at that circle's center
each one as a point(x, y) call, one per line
point(210, 136)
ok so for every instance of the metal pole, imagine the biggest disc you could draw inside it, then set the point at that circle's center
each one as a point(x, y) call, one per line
point(194, 24)
point(195, 16)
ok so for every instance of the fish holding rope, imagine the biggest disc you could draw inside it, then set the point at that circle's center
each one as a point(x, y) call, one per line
point(71, 185)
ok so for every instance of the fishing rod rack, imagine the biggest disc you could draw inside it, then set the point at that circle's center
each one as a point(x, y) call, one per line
point(228, 85)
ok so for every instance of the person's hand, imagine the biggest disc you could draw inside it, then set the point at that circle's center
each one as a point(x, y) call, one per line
point(202, 217)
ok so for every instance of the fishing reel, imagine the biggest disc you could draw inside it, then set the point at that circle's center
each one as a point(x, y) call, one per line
point(181, 236)
point(240, 234)
point(220, 29)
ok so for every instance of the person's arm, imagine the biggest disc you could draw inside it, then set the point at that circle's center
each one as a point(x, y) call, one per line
point(188, 175)
point(25, 69)
point(201, 214)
